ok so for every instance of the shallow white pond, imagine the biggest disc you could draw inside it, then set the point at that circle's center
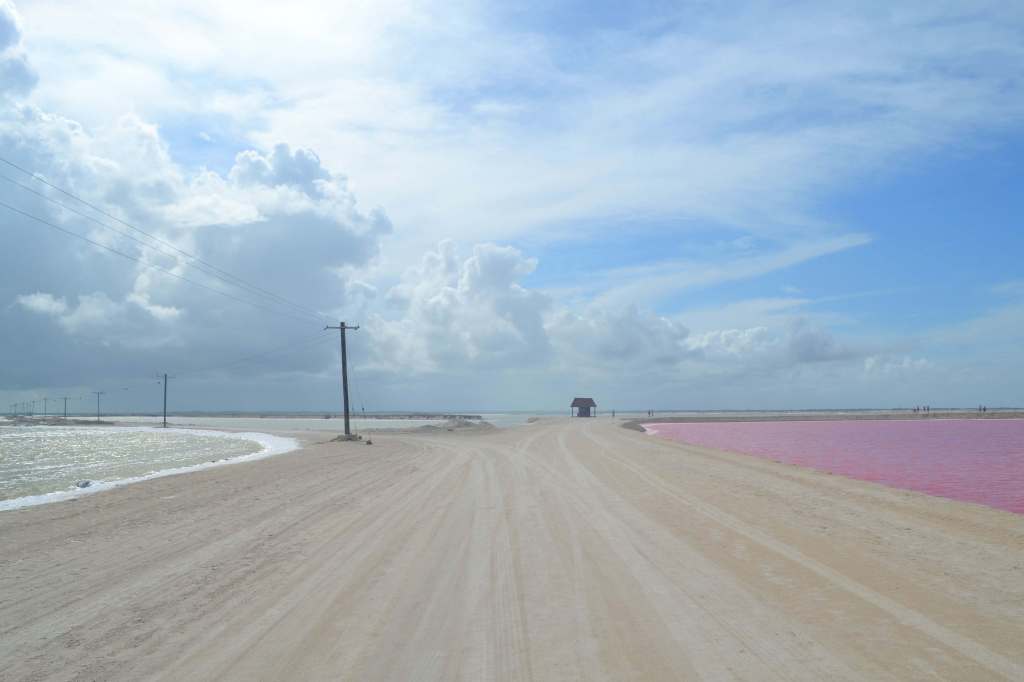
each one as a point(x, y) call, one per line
point(47, 463)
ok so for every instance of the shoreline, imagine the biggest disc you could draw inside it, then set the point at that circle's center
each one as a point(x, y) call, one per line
point(636, 423)
point(299, 440)
point(271, 445)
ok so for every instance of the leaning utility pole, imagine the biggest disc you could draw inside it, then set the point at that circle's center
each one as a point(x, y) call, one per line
point(98, 394)
point(344, 370)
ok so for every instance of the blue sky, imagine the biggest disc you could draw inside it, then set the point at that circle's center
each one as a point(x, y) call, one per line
point(806, 204)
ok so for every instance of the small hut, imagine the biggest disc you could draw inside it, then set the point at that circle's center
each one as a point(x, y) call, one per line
point(582, 407)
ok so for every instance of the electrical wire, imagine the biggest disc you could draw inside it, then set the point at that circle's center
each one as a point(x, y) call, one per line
point(356, 393)
point(141, 242)
point(148, 265)
point(194, 261)
point(223, 275)
point(289, 347)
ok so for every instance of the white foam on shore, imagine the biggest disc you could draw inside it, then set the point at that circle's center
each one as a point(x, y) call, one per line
point(270, 445)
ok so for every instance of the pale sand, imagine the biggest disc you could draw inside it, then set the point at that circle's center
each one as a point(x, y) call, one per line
point(567, 549)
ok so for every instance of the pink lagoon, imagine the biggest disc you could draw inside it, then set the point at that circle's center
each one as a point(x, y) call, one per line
point(974, 460)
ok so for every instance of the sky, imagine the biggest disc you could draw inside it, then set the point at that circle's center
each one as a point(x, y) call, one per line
point(689, 205)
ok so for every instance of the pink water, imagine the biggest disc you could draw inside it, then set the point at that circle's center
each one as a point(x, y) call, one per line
point(975, 460)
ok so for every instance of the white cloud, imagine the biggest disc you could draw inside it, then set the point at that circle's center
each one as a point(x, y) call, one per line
point(16, 75)
point(799, 342)
point(895, 365)
point(608, 340)
point(458, 313)
point(278, 219)
point(41, 302)
point(159, 312)
point(94, 313)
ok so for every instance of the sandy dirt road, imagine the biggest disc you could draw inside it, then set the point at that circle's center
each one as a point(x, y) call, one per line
point(563, 550)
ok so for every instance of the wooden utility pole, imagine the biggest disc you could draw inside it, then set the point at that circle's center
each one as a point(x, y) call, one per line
point(98, 394)
point(165, 400)
point(344, 371)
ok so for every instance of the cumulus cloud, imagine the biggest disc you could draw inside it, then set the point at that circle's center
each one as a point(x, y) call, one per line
point(764, 349)
point(458, 313)
point(610, 339)
point(43, 303)
point(278, 220)
point(888, 365)
point(300, 168)
point(471, 311)
point(16, 75)
point(94, 313)
point(287, 234)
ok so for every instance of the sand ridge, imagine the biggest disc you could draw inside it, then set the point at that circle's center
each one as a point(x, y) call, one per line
point(565, 549)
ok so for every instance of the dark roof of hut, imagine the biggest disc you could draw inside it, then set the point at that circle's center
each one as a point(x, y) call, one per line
point(583, 402)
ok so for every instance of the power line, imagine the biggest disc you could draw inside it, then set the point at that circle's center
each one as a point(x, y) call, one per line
point(149, 246)
point(289, 347)
point(237, 281)
point(148, 265)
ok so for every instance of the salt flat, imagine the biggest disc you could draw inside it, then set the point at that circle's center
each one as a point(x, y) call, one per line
point(567, 549)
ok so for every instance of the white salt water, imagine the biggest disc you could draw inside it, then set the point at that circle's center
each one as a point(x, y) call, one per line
point(48, 463)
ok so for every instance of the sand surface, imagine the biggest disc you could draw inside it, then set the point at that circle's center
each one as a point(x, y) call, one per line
point(566, 549)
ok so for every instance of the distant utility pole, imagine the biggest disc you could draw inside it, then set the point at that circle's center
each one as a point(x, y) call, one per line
point(46, 406)
point(65, 406)
point(98, 394)
point(165, 397)
point(342, 327)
